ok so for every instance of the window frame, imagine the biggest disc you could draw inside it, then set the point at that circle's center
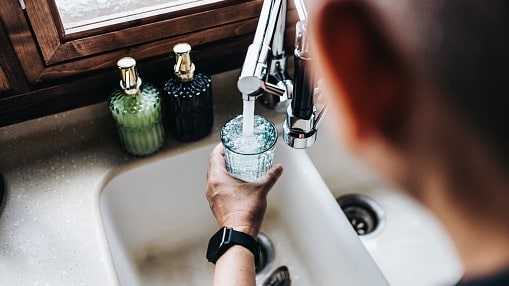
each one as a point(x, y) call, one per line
point(57, 47)
point(47, 55)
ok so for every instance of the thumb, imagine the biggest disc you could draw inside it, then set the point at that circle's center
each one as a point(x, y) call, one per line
point(268, 180)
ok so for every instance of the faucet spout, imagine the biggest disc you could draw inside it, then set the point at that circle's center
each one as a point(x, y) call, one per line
point(257, 64)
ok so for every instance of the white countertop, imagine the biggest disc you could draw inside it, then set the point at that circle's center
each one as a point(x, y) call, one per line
point(54, 168)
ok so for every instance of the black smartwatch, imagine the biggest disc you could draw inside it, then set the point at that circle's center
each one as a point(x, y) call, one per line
point(227, 237)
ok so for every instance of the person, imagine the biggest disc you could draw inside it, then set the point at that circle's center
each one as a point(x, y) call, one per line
point(417, 90)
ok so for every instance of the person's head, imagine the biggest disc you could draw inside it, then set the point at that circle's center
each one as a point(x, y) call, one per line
point(417, 84)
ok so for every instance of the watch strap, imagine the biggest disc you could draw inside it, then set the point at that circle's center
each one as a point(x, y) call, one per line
point(227, 237)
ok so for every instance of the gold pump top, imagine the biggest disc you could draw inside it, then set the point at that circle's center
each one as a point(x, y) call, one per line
point(130, 82)
point(184, 68)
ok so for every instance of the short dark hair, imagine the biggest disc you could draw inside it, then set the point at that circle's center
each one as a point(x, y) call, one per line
point(470, 65)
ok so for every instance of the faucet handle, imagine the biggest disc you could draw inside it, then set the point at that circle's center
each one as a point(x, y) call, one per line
point(274, 89)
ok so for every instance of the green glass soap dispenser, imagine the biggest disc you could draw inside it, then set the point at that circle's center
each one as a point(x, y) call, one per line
point(136, 108)
point(188, 98)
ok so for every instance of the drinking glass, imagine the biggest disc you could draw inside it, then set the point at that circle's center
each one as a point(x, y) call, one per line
point(249, 157)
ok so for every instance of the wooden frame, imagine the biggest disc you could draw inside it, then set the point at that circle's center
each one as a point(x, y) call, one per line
point(49, 55)
point(5, 86)
point(56, 47)
point(12, 79)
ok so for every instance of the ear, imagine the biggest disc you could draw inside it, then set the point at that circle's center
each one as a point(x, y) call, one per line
point(362, 69)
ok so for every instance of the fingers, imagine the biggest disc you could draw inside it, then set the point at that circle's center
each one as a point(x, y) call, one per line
point(216, 159)
point(270, 178)
point(217, 155)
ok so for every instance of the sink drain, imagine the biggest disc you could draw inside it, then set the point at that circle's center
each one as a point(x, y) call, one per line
point(267, 253)
point(364, 213)
point(280, 277)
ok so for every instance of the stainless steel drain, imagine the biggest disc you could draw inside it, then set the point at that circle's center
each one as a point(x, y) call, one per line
point(280, 277)
point(365, 215)
point(267, 253)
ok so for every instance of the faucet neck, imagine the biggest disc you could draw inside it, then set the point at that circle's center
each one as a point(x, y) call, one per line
point(269, 39)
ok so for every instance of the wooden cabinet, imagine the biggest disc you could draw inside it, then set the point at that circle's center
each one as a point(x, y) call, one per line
point(4, 84)
point(44, 70)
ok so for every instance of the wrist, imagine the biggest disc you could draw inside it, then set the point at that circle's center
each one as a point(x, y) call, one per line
point(253, 232)
point(237, 251)
point(226, 238)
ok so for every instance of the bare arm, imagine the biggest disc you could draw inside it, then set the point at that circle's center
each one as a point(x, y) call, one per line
point(240, 205)
point(235, 267)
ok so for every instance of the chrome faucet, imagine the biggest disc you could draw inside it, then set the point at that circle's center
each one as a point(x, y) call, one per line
point(266, 59)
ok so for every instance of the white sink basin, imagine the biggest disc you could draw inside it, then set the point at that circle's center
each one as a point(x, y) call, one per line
point(158, 223)
point(411, 248)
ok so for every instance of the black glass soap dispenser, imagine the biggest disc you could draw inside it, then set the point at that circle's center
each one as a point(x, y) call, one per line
point(188, 95)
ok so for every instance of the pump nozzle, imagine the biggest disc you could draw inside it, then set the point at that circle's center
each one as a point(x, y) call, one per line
point(130, 82)
point(184, 68)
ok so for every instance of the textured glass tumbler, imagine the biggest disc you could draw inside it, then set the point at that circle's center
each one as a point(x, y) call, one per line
point(249, 157)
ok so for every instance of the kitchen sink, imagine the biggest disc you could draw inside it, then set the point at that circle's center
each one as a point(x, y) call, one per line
point(409, 245)
point(158, 222)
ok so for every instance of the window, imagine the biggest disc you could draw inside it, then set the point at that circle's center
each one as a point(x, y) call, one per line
point(81, 15)
point(57, 45)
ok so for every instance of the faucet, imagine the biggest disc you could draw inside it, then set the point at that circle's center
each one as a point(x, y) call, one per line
point(266, 61)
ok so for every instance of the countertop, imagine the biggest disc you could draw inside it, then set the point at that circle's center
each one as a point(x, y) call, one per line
point(54, 169)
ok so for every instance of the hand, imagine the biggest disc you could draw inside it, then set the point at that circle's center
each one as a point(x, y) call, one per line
point(236, 203)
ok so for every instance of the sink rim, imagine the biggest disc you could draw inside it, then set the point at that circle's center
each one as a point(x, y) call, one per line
point(108, 178)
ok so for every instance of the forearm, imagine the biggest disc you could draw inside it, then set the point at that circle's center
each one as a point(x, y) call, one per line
point(235, 267)
point(239, 205)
